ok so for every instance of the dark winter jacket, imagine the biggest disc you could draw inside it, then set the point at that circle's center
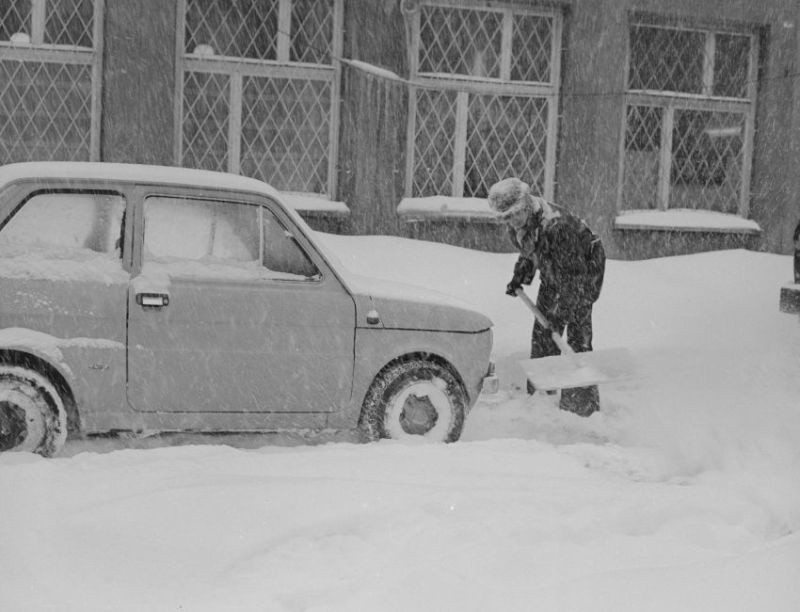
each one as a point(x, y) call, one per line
point(569, 256)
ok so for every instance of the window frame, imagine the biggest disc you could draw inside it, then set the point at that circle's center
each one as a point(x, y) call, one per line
point(38, 51)
point(239, 68)
point(671, 101)
point(466, 85)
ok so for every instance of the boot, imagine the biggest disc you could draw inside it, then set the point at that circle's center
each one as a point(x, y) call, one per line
point(583, 401)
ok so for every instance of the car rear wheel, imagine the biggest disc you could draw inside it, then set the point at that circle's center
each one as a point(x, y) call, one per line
point(32, 414)
point(415, 399)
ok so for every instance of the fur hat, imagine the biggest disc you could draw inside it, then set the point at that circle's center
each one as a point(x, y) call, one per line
point(511, 196)
point(507, 193)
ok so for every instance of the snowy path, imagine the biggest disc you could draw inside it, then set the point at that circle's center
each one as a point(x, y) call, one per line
point(682, 494)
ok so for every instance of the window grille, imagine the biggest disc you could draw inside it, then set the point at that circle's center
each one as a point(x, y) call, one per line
point(259, 90)
point(50, 79)
point(690, 107)
point(484, 98)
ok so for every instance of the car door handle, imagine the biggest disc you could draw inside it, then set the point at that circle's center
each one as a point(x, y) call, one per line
point(152, 300)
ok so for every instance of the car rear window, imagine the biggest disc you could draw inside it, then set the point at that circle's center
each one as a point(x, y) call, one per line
point(64, 224)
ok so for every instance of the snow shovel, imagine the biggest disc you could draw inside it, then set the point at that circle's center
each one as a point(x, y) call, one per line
point(571, 369)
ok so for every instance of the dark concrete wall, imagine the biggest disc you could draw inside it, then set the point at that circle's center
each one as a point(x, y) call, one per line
point(372, 150)
point(784, 242)
point(592, 110)
point(471, 234)
point(372, 137)
point(793, 209)
point(374, 32)
point(138, 81)
point(636, 244)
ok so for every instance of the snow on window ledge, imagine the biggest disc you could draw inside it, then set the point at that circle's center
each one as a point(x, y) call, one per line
point(684, 220)
point(373, 70)
point(314, 203)
point(442, 207)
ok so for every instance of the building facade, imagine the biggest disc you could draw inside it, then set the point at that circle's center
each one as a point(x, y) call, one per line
point(672, 127)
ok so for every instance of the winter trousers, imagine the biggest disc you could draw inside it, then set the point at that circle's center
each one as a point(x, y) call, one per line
point(578, 324)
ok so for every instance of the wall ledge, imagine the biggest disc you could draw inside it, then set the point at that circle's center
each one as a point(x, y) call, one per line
point(313, 204)
point(685, 220)
point(442, 208)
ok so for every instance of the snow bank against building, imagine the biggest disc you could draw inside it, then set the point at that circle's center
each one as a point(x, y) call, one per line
point(682, 493)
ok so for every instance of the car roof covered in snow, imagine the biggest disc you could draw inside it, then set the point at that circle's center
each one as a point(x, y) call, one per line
point(133, 173)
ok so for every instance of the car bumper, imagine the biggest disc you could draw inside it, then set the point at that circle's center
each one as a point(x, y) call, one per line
point(490, 383)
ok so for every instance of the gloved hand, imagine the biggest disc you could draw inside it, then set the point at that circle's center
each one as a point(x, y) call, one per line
point(523, 272)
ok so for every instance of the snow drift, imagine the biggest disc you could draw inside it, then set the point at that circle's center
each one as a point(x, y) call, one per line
point(681, 494)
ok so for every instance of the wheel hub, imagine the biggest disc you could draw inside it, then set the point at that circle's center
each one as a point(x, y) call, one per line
point(13, 426)
point(419, 415)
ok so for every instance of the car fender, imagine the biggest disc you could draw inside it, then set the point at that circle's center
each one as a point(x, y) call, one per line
point(38, 344)
point(62, 355)
point(467, 354)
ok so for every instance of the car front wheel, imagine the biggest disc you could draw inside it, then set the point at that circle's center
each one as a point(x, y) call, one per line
point(32, 414)
point(412, 400)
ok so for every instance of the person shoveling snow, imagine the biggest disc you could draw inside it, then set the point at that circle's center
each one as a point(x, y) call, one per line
point(571, 264)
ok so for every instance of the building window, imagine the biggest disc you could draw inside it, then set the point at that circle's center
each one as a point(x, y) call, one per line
point(484, 99)
point(50, 79)
point(259, 90)
point(690, 107)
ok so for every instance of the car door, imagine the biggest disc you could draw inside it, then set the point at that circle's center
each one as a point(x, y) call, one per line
point(230, 314)
point(64, 270)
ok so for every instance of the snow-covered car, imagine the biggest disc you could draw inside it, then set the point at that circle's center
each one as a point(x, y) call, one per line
point(158, 299)
point(790, 293)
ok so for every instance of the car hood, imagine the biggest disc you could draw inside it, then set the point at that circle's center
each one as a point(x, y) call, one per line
point(402, 306)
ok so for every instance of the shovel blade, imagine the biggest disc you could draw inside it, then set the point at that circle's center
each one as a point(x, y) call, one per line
point(579, 369)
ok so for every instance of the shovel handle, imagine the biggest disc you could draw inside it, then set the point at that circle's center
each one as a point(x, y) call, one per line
point(565, 348)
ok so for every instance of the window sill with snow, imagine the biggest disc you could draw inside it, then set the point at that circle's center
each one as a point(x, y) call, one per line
point(438, 208)
point(685, 220)
point(315, 205)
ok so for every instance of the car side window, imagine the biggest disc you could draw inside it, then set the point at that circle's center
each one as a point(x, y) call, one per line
point(200, 230)
point(230, 239)
point(282, 254)
point(66, 225)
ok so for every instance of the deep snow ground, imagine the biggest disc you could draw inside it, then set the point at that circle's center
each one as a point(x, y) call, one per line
point(682, 494)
